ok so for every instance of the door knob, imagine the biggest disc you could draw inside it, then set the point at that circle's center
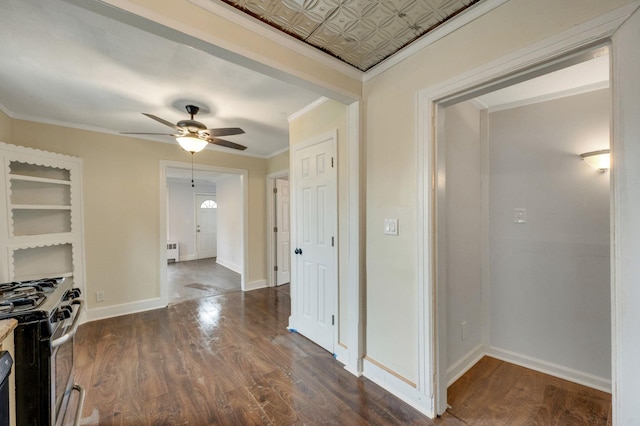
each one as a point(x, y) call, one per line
point(298, 251)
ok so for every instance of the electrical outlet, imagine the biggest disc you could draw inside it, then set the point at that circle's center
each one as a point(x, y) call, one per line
point(99, 296)
point(463, 330)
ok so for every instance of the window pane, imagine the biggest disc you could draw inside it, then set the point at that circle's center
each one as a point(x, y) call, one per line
point(209, 204)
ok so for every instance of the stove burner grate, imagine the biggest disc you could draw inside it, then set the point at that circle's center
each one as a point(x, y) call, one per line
point(21, 303)
point(25, 295)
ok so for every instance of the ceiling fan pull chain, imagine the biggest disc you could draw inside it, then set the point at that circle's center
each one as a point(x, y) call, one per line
point(192, 185)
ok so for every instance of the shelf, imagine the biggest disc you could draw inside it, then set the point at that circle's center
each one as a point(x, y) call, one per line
point(40, 222)
point(30, 170)
point(39, 179)
point(30, 241)
point(42, 261)
point(39, 191)
point(31, 277)
point(37, 207)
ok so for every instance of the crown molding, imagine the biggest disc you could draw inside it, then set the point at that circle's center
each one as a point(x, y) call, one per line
point(313, 105)
point(276, 153)
point(60, 123)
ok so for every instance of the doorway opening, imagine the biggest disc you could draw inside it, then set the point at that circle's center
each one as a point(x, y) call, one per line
point(522, 232)
point(205, 223)
point(278, 223)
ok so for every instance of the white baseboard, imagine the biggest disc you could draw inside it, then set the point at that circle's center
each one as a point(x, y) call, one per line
point(464, 364)
point(123, 309)
point(399, 388)
point(229, 265)
point(187, 257)
point(254, 285)
point(566, 373)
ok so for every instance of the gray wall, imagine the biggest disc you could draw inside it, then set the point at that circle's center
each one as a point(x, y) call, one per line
point(550, 283)
point(463, 233)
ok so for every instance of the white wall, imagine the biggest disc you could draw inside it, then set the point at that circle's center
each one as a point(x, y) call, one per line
point(463, 234)
point(181, 215)
point(550, 284)
point(229, 198)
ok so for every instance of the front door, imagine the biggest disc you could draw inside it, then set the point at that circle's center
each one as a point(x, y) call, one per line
point(206, 223)
point(316, 286)
point(283, 243)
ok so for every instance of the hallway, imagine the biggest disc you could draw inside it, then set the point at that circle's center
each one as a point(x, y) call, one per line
point(200, 278)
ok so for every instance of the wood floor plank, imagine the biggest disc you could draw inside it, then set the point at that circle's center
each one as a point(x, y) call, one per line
point(498, 393)
point(475, 405)
point(246, 409)
point(275, 398)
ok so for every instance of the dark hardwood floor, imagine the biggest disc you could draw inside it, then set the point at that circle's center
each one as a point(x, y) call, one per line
point(229, 360)
point(226, 360)
point(495, 392)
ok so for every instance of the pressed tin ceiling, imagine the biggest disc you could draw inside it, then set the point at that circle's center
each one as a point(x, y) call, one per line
point(361, 33)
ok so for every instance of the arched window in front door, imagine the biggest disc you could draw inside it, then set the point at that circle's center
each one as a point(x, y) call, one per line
point(209, 204)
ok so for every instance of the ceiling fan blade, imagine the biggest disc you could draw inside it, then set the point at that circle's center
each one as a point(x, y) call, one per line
point(226, 144)
point(161, 120)
point(225, 131)
point(144, 133)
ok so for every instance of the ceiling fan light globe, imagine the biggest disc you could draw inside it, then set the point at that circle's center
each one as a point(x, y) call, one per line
point(191, 143)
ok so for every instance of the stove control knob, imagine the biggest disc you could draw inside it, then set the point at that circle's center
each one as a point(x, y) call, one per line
point(74, 293)
point(63, 313)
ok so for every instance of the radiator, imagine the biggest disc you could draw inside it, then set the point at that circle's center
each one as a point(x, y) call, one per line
point(173, 252)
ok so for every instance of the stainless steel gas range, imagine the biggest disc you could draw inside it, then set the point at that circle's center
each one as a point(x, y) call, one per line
point(48, 312)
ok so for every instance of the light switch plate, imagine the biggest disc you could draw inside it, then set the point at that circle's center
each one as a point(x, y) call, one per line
point(391, 226)
point(519, 216)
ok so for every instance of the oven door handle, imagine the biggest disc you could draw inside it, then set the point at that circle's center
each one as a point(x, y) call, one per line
point(74, 326)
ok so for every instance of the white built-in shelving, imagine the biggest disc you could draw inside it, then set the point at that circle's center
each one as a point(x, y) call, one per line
point(41, 224)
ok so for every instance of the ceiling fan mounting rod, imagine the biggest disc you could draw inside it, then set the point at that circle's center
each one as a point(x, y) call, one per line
point(192, 110)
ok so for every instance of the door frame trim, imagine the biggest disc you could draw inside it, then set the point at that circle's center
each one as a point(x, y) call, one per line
point(429, 100)
point(271, 223)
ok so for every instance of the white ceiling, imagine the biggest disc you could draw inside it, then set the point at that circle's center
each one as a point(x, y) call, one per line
point(582, 77)
point(62, 64)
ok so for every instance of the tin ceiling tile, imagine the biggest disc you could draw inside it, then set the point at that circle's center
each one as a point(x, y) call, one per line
point(361, 33)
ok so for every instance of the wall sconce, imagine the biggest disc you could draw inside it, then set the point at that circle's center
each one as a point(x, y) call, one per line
point(599, 160)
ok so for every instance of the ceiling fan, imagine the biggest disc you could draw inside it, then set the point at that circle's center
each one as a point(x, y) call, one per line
point(192, 135)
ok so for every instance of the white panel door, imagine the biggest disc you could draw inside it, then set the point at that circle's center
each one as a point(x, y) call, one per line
point(206, 227)
point(314, 253)
point(283, 234)
point(625, 83)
